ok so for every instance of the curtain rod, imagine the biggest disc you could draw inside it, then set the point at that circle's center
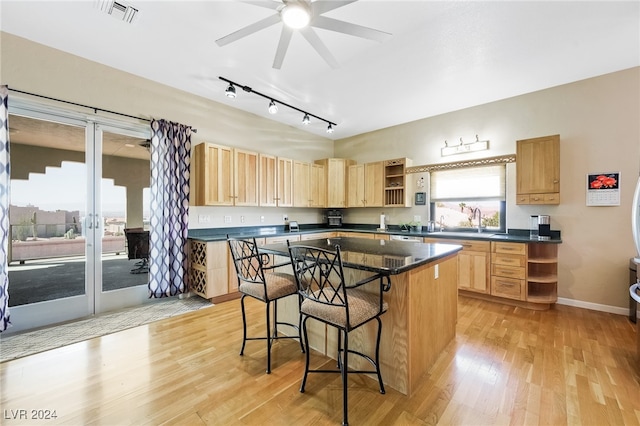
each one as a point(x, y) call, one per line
point(95, 109)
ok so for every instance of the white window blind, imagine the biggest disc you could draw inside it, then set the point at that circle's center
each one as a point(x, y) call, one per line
point(473, 183)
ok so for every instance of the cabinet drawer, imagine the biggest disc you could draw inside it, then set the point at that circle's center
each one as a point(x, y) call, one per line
point(467, 245)
point(507, 287)
point(553, 198)
point(507, 271)
point(509, 248)
point(514, 260)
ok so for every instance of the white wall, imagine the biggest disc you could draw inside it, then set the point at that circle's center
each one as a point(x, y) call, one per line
point(598, 122)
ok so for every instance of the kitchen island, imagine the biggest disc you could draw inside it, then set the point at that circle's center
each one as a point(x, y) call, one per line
point(422, 315)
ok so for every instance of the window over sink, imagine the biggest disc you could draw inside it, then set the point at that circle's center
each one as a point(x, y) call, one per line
point(462, 196)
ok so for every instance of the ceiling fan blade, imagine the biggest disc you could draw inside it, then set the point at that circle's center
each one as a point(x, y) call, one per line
point(321, 6)
point(269, 4)
point(349, 28)
point(320, 47)
point(283, 45)
point(249, 29)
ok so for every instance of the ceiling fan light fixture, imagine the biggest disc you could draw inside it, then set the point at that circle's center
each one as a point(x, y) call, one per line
point(273, 108)
point(295, 15)
point(231, 91)
point(329, 128)
point(306, 120)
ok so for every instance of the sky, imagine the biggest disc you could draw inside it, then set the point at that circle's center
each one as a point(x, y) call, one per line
point(64, 188)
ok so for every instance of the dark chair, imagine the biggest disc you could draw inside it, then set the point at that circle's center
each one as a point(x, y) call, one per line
point(257, 279)
point(327, 298)
point(138, 248)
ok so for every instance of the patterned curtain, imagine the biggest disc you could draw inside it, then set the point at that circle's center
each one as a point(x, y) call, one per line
point(4, 208)
point(170, 167)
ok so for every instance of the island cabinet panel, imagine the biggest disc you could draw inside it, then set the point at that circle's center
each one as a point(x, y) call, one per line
point(419, 324)
point(538, 170)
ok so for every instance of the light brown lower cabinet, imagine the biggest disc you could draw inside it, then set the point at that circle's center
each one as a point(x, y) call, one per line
point(473, 264)
point(208, 269)
point(508, 261)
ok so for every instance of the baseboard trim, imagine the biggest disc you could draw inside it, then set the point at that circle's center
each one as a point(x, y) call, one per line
point(593, 306)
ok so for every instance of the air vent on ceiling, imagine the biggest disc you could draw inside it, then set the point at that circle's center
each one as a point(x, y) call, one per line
point(118, 9)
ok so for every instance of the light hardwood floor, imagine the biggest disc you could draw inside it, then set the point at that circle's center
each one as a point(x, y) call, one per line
point(506, 366)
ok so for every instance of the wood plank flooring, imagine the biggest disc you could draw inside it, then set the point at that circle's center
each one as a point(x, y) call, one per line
point(507, 366)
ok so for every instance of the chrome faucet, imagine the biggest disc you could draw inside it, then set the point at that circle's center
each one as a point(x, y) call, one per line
point(474, 212)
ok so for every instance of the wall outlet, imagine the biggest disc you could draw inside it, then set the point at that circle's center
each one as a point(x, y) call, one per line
point(261, 219)
point(416, 218)
point(241, 219)
point(204, 218)
point(227, 219)
point(285, 217)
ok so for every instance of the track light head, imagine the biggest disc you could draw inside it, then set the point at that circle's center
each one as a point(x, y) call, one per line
point(273, 108)
point(306, 120)
point(329, 128)
point(231, 91)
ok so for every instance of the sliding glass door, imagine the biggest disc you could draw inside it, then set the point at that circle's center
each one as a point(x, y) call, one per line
point(75, 186)
point(122, 276)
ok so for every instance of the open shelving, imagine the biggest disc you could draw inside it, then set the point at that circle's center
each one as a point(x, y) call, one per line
point(396, 193)
point(542, 273)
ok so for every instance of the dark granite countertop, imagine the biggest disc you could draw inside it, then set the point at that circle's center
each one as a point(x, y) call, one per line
point(380, 256)
point(220, 234)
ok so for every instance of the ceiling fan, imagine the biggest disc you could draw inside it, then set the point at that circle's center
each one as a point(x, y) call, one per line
point(302, 16)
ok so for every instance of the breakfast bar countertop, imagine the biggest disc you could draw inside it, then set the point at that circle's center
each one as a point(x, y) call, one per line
point(379, 256)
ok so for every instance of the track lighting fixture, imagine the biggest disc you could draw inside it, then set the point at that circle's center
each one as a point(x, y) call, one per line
point(273, 103)
point(231, 91)
point(273, 108)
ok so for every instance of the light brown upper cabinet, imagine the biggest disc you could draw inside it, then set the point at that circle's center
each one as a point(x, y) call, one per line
point(268, 180)
point(225, 176)
point(213, 171)
point(245, 174)
point(336, 170)
point(309, 185)
point(366, 185)
point(538, 170)
point(285, 182)
point(317, 186)
point(275, 181)
point(301, 179)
